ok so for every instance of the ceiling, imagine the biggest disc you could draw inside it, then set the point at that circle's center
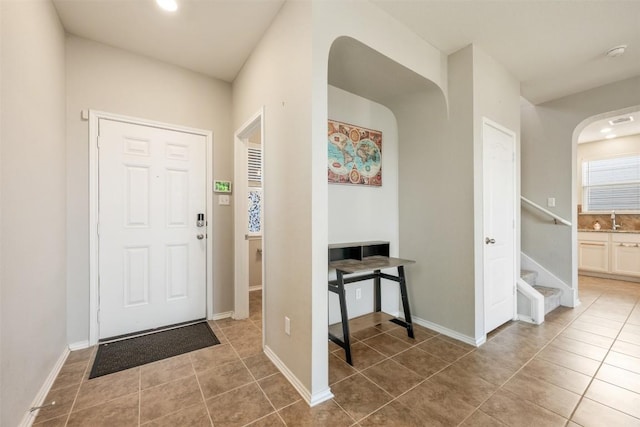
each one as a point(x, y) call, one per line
point(213, 37)
point(555, 48)
point(600, 129)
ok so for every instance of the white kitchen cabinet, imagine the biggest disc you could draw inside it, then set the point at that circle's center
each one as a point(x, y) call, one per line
point(593, 252)
point(625, 255)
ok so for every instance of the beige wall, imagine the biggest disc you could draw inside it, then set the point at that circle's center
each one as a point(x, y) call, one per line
point(255, 262)
point(441, 188)
point(496, 96)
point(108, 79)
point(33, 202)
point(278, 76)
point(549, 132)
point(369, 25)
point(287, 74)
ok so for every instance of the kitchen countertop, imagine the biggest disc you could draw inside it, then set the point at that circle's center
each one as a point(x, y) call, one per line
point(609, 231)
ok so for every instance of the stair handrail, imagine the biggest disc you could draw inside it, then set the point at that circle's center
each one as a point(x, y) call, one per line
point(556, 218)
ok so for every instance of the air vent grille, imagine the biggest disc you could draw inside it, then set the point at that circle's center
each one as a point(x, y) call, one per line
point(621, 120)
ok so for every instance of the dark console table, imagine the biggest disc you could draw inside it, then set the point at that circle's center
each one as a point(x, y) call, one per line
point(368, 258)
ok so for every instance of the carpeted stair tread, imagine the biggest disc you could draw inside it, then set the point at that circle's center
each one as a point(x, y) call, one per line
point(551, 297)
point(529, 276)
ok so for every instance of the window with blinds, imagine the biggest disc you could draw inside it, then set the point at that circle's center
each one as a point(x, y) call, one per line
point(611, 184)
point(254, 164)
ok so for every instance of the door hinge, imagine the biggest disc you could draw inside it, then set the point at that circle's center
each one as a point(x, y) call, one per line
point(98, 316)
point(98, 140)
point(98, 229)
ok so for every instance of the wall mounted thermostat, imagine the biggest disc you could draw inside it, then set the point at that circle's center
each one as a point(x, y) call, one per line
point(221, 186)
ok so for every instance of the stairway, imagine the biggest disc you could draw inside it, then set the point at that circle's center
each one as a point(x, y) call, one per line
point(551, 295)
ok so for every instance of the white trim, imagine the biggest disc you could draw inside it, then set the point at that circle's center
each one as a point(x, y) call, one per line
point(255, 288)
point(79, 345)
point(536, 301)
point(241, 260)
point(220, 316)
point(569, 297)
point(30, 417)
point(449, 332)
point(514, 145)
point(312, 400)
point(94, 117)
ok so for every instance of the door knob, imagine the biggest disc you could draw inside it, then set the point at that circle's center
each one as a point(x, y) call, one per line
point(489, 241)
point(200, 236)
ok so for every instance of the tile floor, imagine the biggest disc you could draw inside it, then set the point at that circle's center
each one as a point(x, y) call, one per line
point(581, 367)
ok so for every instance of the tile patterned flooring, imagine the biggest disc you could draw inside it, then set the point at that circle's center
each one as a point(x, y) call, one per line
point(581, 367)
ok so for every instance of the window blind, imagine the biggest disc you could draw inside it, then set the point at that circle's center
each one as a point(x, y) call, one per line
point(611, 184)
point(254, 164)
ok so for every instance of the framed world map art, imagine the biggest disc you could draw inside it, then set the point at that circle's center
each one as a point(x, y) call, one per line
point(354, 155)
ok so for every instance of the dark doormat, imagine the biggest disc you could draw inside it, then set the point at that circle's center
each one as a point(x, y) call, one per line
point(129, 353)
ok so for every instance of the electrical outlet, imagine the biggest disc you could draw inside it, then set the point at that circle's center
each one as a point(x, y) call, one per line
point(287, 325)
point(358, 293)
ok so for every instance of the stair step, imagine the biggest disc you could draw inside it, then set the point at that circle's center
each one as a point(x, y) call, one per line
point(551, 297)
point(529, 276)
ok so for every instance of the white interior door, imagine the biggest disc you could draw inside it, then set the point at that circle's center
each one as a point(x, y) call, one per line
point(499, 225)
point(152, 251)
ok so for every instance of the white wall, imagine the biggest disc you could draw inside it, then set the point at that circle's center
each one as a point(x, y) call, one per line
point(108, 79)
point(361, 213)
point(32, 208)
point(603, 149)
point(549, 134)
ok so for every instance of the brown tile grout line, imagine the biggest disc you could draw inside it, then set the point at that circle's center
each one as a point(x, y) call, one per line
point(529, 361)
point(204, 400)
point(79, 386)
point(582, 397)
point(254, 379)
point(140, 395)
point(393, 398)
point(360, 371)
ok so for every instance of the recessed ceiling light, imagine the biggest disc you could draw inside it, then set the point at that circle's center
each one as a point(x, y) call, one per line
point(168, 5)
point(616, 51)
point(610, 136)
point(605, 130)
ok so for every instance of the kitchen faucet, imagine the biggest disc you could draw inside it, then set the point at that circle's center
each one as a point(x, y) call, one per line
point(614, 226)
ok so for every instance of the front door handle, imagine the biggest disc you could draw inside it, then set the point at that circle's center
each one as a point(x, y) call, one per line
point(489, 241)
point(200, 236)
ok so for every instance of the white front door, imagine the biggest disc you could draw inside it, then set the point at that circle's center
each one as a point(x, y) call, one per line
point(152, 253)
point(499, 225)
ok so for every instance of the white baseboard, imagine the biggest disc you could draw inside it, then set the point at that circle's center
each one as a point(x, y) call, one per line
point(221, 316)
point(30, 417)
point(546, 278)
point(80, 345)
point(311, 400)
point(448, 332)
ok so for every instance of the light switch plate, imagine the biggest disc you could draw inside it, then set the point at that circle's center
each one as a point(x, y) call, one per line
point(551, 202)
point(223, 199)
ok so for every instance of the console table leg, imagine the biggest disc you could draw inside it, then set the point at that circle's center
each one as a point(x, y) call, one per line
point(345, 317)
point(377, 298)
point(405, 301)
